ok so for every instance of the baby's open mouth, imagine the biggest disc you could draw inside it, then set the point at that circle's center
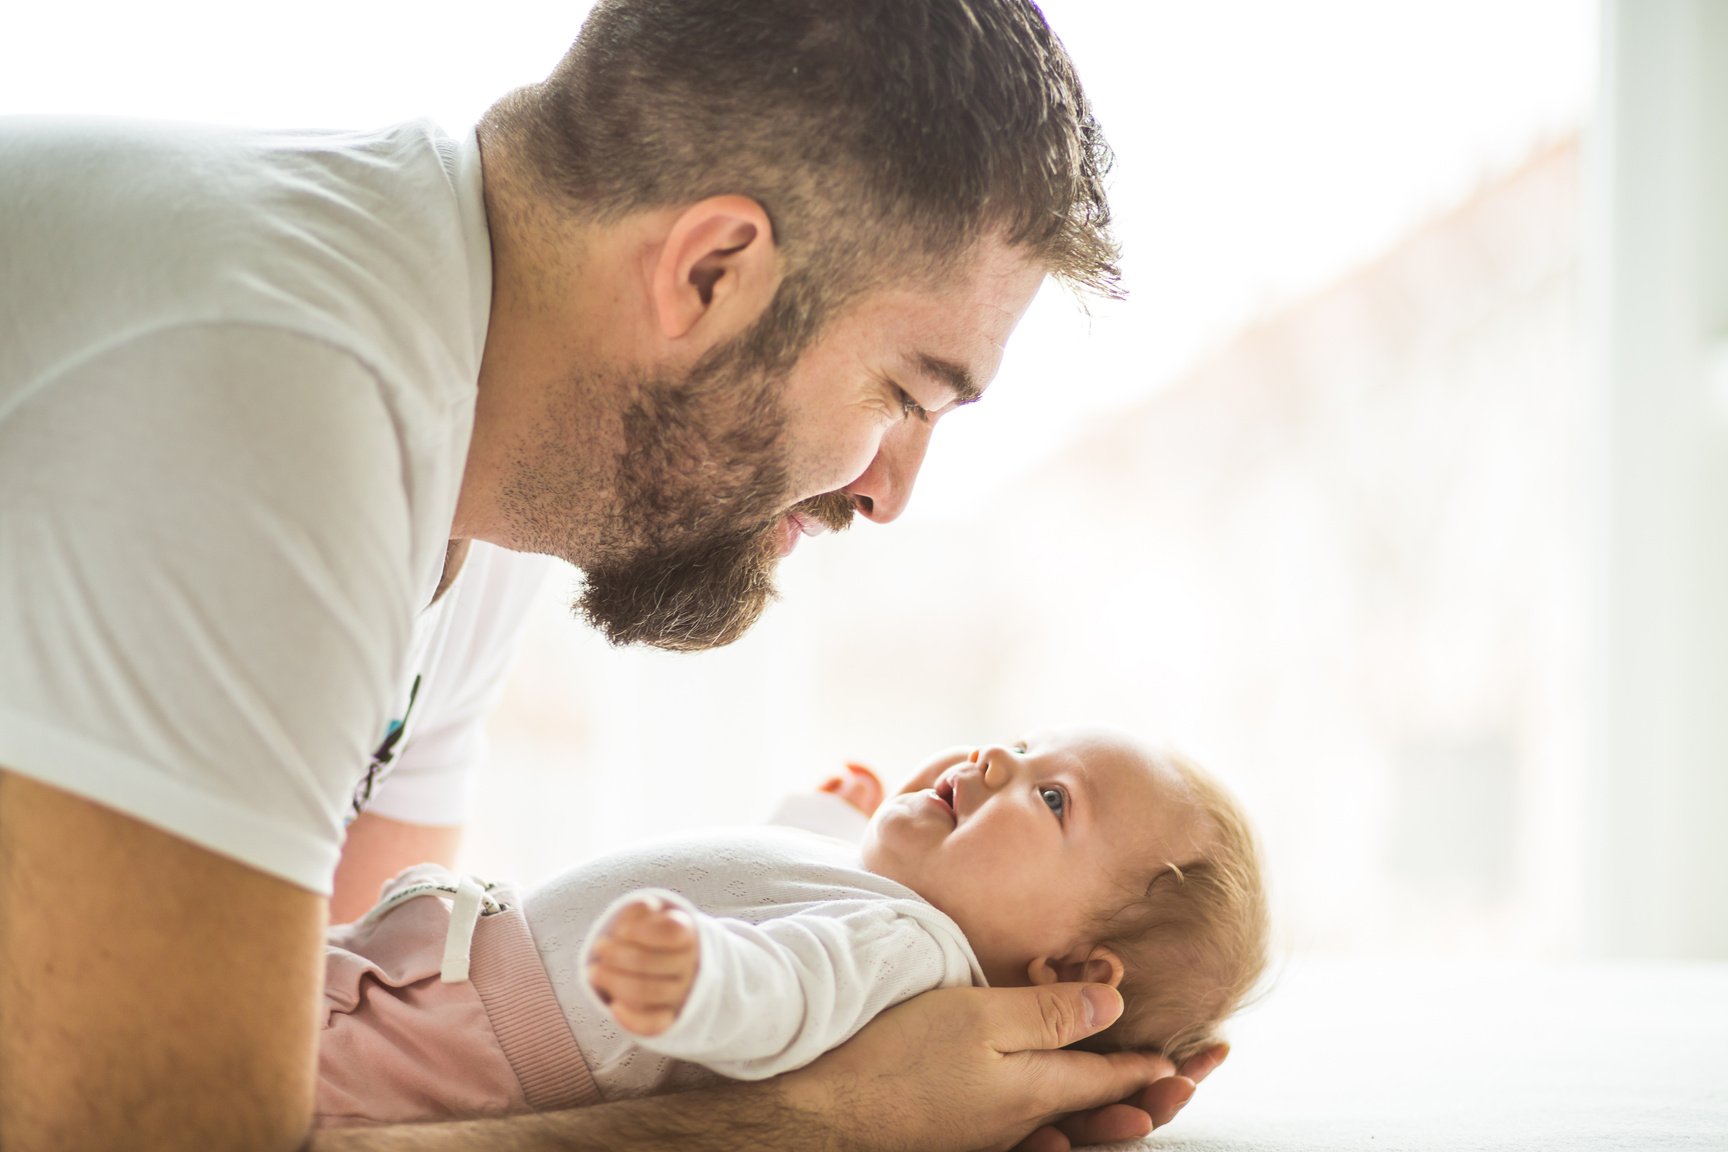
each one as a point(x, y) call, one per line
point(945, 792)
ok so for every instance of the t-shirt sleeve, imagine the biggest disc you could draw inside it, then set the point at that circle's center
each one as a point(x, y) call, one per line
point(204, 587)
point(437, 775)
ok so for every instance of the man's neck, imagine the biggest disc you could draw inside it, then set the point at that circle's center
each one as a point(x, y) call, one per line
point(554, 327)
point(455, 555)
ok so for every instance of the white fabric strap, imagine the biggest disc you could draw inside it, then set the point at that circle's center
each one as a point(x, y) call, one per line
point(430, 888)
point(470, 900)
point(459, 941)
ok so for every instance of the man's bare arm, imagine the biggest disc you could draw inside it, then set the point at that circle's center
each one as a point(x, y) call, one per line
point(153, 995)
point(376, 849)
point(718, 1120)
point(950, 1071)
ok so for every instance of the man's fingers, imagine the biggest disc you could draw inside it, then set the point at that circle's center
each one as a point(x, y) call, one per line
point(1203, 1063)
point(1163, 1098)
point(1106, 1125)
point(1152, 1107)
point(1073, 1081)
point(1055, 1016)
point(1045, 1139)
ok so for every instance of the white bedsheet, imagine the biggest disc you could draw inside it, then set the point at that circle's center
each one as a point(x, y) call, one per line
point(1391, 1056)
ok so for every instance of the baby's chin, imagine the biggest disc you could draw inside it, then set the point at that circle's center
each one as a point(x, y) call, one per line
point(879, 859)
point(878, 855)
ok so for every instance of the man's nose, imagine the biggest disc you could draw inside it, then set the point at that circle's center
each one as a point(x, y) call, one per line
point(885, 488)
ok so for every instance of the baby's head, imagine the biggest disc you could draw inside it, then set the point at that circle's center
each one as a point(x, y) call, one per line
point(1080, 855)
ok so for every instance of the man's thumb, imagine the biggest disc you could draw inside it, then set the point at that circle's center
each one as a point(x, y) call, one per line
point(1070, 1012)
point(1103, 1006)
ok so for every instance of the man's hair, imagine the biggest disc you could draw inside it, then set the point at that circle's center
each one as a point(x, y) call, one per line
point(882, 137)
point(1194, 943)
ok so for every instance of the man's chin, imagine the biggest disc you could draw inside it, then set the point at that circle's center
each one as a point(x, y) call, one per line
point(683, 604)
point(674, 635)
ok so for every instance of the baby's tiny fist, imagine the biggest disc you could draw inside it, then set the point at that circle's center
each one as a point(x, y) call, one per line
point(644, 964)
point(859, 787)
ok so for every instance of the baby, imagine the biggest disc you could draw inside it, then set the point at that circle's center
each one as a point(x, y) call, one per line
point(1074, 855)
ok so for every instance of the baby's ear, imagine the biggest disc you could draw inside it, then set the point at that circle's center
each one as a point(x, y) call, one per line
point(1096, 965)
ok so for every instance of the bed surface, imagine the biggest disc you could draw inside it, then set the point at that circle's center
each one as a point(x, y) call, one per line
point(1390, 1055)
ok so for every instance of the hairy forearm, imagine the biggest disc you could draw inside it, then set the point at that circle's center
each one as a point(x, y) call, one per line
point(740, 1116)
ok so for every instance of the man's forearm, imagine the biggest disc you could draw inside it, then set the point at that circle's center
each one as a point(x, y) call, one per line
point(739, 1116)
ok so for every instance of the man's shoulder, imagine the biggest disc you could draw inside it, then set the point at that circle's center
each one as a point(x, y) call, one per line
point(213, 164)
point(372, 242)
point(203, 183)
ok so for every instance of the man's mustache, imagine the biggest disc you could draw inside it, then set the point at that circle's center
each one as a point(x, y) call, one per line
point(833, 510)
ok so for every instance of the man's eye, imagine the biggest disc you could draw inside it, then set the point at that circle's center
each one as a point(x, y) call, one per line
point(1055, 799)
point(909, 406)
point(1021, 747)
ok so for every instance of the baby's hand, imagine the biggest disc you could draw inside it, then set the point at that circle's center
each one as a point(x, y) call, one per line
point(859, 787)
point(644, 963)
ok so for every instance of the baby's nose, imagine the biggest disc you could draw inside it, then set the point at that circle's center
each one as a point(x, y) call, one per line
point(995, 765)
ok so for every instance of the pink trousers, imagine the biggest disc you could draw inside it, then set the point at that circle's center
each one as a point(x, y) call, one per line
point(399, 1045)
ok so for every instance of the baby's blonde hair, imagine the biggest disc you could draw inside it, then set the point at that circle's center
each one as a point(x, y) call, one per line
point(1193, 943)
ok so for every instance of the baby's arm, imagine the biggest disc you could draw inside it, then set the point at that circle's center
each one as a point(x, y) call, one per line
point(840, 806)
point(751, 1001)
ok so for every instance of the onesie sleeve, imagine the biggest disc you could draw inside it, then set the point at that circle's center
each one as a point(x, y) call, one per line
point(204, 587)
point(772, 997)
point(822, 813)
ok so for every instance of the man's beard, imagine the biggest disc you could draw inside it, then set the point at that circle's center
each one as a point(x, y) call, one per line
point(691, 544)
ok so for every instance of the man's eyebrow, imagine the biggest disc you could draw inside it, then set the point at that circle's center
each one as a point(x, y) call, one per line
point(955, 376)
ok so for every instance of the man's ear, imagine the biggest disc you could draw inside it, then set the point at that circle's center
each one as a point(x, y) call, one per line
point(716, 270)
point(1096, 965)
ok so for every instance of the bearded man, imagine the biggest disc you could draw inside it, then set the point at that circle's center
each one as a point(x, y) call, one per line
point(284, 418)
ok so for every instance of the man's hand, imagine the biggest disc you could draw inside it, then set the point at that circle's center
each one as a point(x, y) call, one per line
point(643, 965)
point(965, 1069)
point(1152, 1107)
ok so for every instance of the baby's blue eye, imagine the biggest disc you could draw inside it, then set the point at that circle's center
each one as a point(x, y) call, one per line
point(1053, 797)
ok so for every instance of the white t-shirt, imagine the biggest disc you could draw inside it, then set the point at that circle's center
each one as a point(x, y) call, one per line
point(237, 382)
point(460, 652)
point(800, 948)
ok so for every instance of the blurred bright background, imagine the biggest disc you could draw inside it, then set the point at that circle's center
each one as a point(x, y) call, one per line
point(1338, 501)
